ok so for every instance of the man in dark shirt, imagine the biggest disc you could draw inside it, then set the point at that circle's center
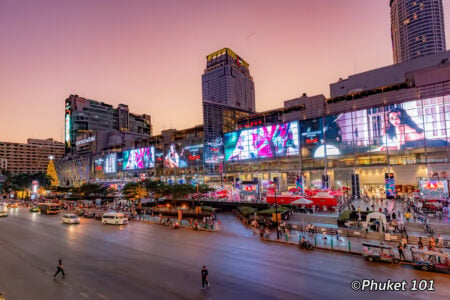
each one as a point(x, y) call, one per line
point(60, 269)
point(204, 277)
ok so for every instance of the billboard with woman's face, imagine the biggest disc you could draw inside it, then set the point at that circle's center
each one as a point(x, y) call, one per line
point(262, 142)
point(142, 158)
point(408, 125)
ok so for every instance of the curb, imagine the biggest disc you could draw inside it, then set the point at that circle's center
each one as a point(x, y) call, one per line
point(319, 248)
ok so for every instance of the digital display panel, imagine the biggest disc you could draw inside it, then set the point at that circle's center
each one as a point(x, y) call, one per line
point(408, 125)
point(141, 158)
point(262, 142)
point(389, 185)
point(175, 158)
point(193, 154)
point(67, 124)
point(433, 188)
point(214, 151)
point(111, 163)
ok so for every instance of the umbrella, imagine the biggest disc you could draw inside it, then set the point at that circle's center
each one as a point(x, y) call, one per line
point(301, 201)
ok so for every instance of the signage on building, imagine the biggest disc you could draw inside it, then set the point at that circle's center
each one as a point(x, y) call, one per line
point(87, 140)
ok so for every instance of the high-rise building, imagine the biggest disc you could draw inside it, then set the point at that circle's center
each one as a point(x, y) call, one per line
point(417, 28)
point(84, 116)
point(228, 92)
point(29, 158)
point(227, 80)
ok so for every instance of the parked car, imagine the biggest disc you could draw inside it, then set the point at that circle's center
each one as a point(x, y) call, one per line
point(70, 219)
point(79, 211)
point(35, 209)
point(99, 214)
point(89, 213)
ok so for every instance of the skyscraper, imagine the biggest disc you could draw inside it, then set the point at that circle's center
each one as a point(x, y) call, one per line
point(227, 80)
point(417, 28)
point(228, 93)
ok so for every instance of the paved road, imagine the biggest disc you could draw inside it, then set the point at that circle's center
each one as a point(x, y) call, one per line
point(144, 261)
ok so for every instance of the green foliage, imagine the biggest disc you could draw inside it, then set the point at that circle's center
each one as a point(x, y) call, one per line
point(23, 181)
point(246, 210)
point(131, 190)
point(207, 208)
point(204, 188)
point(270, 211)
point(345, 215)
point(88, 189)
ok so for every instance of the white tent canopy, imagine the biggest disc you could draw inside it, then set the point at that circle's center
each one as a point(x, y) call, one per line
point(301, 201)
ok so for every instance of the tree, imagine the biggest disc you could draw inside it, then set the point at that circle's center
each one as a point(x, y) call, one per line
point(131, 190)
point(93, 189)
point(51, 172)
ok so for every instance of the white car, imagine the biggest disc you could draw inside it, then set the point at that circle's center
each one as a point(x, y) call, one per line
point(3, 213)
point(71, 219)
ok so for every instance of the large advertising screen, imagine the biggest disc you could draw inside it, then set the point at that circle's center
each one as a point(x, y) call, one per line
point(433, 188)
point(214, 151)
point(408, 125)
point(389, 185)
point(262, 142)
point(111, 163)
point(194, 154)
point(142, 158)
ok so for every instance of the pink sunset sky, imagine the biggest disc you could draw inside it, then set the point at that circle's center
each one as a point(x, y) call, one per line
point(151, 54)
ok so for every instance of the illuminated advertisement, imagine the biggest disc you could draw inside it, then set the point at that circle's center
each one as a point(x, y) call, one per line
point(34, 186)
point(263, 142)
point(67, 123)
point(174, 158)
point(389, 185)
point(433, 188)
point(409, 125)
point(214, 151)
point(141, 158)
point(194, 154)
point(111, 163)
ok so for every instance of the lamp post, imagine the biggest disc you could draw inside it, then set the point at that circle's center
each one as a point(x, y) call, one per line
point(275, 179)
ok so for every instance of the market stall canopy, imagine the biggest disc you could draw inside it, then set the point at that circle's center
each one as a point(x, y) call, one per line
point(301, 201)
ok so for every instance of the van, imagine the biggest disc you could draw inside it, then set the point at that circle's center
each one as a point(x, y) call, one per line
point(114, 218)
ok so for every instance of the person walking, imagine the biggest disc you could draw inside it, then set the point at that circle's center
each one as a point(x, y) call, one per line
point(204, 277)
point(60, 269)
point(420, 243)
point(400, 251)
point(440, 241)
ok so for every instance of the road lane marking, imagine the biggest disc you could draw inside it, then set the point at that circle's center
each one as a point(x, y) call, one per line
point(84, 295)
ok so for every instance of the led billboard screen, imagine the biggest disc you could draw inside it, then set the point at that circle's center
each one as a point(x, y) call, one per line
point(111, 163)
point(262, 142)
point(408, 125)
point(141, 158)
point(214, 151)
point(433, 188)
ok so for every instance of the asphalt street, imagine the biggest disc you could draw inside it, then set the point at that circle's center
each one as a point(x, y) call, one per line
point(147, 261)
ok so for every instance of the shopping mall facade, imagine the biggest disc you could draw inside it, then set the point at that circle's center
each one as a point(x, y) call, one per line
point(391, 121)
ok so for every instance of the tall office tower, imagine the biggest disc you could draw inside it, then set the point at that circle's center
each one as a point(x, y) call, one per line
point(84, 116)
point(417, 28)
point(228, 92)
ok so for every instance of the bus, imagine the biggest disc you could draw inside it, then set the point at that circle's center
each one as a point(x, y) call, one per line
point(50, 208)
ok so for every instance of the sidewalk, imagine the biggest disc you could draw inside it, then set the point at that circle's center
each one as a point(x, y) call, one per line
point(168, 221)
point(350, 245)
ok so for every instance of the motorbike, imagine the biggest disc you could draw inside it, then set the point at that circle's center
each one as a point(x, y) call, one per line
point(305, 245)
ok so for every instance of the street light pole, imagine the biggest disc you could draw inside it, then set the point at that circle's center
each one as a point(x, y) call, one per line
point(276, 208)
